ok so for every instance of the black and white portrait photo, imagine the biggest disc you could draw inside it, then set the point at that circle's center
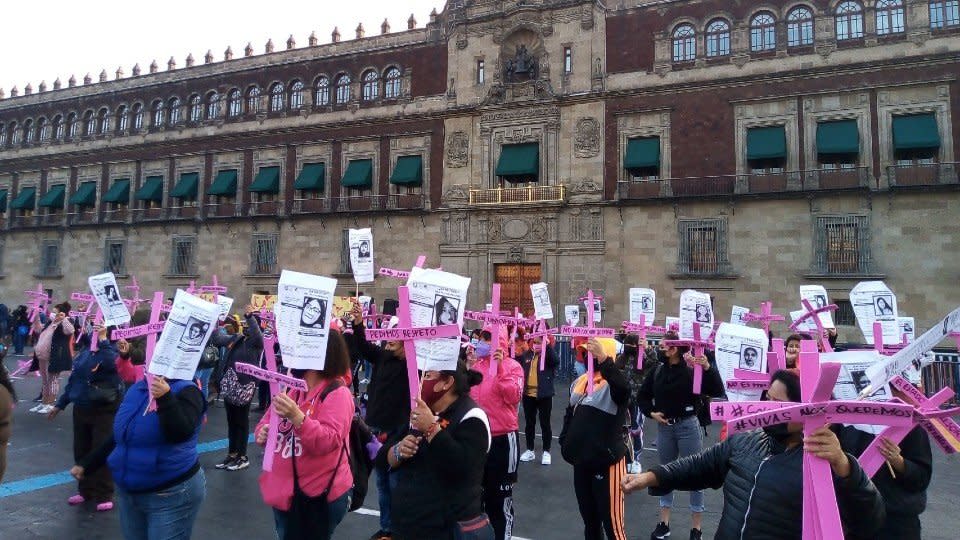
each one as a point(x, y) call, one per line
point(110, 293)
point(445, 310)
point(703, 313)
point(749, 357)
point(646, 304)
point(883, 306)
point(363, 250)
point(194, 332)
point(313, 314)
point(819, 301)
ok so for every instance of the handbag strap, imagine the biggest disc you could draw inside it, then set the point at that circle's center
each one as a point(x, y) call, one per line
point(343, 448)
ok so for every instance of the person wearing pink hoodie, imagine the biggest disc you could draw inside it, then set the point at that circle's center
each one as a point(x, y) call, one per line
point(499, 396)
point(310, 484)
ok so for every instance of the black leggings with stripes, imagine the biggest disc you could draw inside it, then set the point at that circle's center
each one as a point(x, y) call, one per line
point(601, 501)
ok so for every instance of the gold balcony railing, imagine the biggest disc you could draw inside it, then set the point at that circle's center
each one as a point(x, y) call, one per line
point(518, 195)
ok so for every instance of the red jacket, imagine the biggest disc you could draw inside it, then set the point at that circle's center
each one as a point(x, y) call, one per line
point(499, 395)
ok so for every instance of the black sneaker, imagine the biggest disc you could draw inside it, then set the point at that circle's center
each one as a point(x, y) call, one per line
point(38, 399)
point(239, 464)
point(226, 462)
point(661, 532)
point(381, 535)
point(696, 534)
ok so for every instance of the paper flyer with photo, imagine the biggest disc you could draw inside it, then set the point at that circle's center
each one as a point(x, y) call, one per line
point(437, 298)
point(302, 312)
point(105, 290)
point(225, 303)
point(737, 314)
point(817, 296)
point(571, 314)
point(807, 325)
point(597, 310)
point(542, 308)
point(643, 302)
point(361, 255)
point(695, 308)
point(740, 347)
point(853, 379)
point(185, 333)
point(907, 328)
point(915, 353)
point(873, 301)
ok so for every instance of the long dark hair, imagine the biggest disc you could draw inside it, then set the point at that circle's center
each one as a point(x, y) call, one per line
point(791, 380)
point(463, 379)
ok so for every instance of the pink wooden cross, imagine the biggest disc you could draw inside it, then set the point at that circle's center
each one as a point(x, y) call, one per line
point(134, 302)
point(697, 346)
point(407, 333)
point(214, 288)
point(590, 331)
point(152, 329)
point(38, 299)
point(641, 328)
point(765, 317)
point(886, 350)
point(814, 313)
point(495, 320)
point(744, 379)
point(402, 274)
point(821, 517)
point(192, 288)
point(543, 332)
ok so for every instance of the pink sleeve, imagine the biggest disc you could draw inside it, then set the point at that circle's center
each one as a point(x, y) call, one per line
point(322, 432)
point(126, 370)
point(510, 382)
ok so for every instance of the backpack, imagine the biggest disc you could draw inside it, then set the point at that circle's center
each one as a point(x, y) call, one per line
point(210, 357)
point(359, 459)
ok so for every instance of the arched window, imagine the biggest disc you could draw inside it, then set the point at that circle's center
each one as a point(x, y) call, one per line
point(174, 107)
point(718, 38)
point(849, 21)
point(43, 130)
point(157, 113)
point(234, 103)
point(684, 43)
point(800, 27)
point(276, 97)
point(889, 17)
point(121, 118)
point(253, 100)
point(89, 124)
point(196, 108)
point(371, 85)
point(15, 134)
point(73, 126)
point(944, 13)
point(102, 120)
point(57, 127)
point(137, 116)
point(343, 89)
point(763, 32)
point(321, 91)
point(28, 131)
point(296, 95)
point(391, 85)
point(213, 105)
point(3, 135)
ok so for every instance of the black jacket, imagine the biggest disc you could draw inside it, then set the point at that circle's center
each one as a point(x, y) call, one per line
point(627, 363)
point(544, 378)
point(441, 485)
point(388, 393)
point(594, 425)
point(905, 496)
point(669, 389)
point(763, 489)
point(246, 348)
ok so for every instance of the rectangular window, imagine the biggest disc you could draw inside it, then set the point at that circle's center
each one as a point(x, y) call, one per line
point(263, 255)
point(481, 76)
point(345, 266)
point(183, 256)
point(842, 245)
point(114, 257)
point(567, 60)
point(844, 315)
point(944, 13)
point(50, 258)
point(703, 247)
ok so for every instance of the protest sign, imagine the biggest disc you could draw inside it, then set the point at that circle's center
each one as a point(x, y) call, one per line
point(737, 314)
point(185, 334)
point(643, 302)
point(542, 308)
point(261, 302)
point(437, 298)
point(695, 308)
point(872, 302)
point(105, 290)
point(571, 314)
point(740, 348)
point(817, 296)
point(361, 254)
point(302, 314)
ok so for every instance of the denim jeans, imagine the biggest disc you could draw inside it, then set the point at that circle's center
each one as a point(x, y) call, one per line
point(203, 375)
point(386, 483)
point(682, 439)
point(168, 514)
point(579, 368)
point(337, 509)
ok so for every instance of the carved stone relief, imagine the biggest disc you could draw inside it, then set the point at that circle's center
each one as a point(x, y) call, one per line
point(586, 185)
point(587, 140)
point(458, 147)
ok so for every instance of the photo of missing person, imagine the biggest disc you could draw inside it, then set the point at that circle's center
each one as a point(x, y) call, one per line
point(819, 301)
point(110, 292)
point(313, 314)
point(882, 306)
point(860, 380)
point(363, 250)
point(749, 357)
point(445, 310)
point(646, 304)
point(703, 313)
point(906, 327)
point(194, 332)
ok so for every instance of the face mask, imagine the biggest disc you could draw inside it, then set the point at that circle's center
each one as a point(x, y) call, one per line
point(429, 393)
point(483, 349)
point(778, 432)
point(662, 357)
point(474, 342)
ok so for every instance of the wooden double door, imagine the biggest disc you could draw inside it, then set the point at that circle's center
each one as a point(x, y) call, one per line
point(515, 281)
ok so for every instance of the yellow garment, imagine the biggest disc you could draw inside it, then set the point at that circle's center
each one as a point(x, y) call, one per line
point(532, 377)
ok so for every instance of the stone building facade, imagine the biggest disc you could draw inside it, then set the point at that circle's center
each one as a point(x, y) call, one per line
point(742, 149)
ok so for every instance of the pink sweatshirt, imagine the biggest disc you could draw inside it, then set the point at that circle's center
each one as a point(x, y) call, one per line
point(319, 445)
point(499, 395)
point(129, 373)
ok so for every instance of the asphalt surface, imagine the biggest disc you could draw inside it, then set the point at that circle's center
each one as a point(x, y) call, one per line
point(36, 486)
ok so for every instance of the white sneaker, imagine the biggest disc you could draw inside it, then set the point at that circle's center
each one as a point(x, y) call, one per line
point(634, 468)
point(37, 408)
point(45, 409)
point(529, 455)
point(545, 460)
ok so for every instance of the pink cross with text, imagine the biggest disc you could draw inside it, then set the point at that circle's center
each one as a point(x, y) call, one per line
point(814, 313)
point(544, 333)
point(591, 331)
point(495, 320)
point(697, 346)
point(402, 274)
point(214, 288)
point(134, 302)
point(38, 298)
point(641, 328)
point(765, 317)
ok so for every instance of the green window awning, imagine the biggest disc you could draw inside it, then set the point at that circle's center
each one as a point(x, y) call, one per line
point(54, 197)
point(119, 192)
point(151, 190)
point(186, 188)
point(519, 161)
point(766, 143)
point(359, 174)
point(642, 153)
point(408, 171)
point(86, 195)
point(26, 199)
point(3, 200)
point(915, 132)
point(838, 137)
point(225, 184)
point(311, 177)
point(267, 180)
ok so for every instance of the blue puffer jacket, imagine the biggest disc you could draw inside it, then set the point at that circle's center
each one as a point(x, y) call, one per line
point(143, 459)
point(90, 367)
